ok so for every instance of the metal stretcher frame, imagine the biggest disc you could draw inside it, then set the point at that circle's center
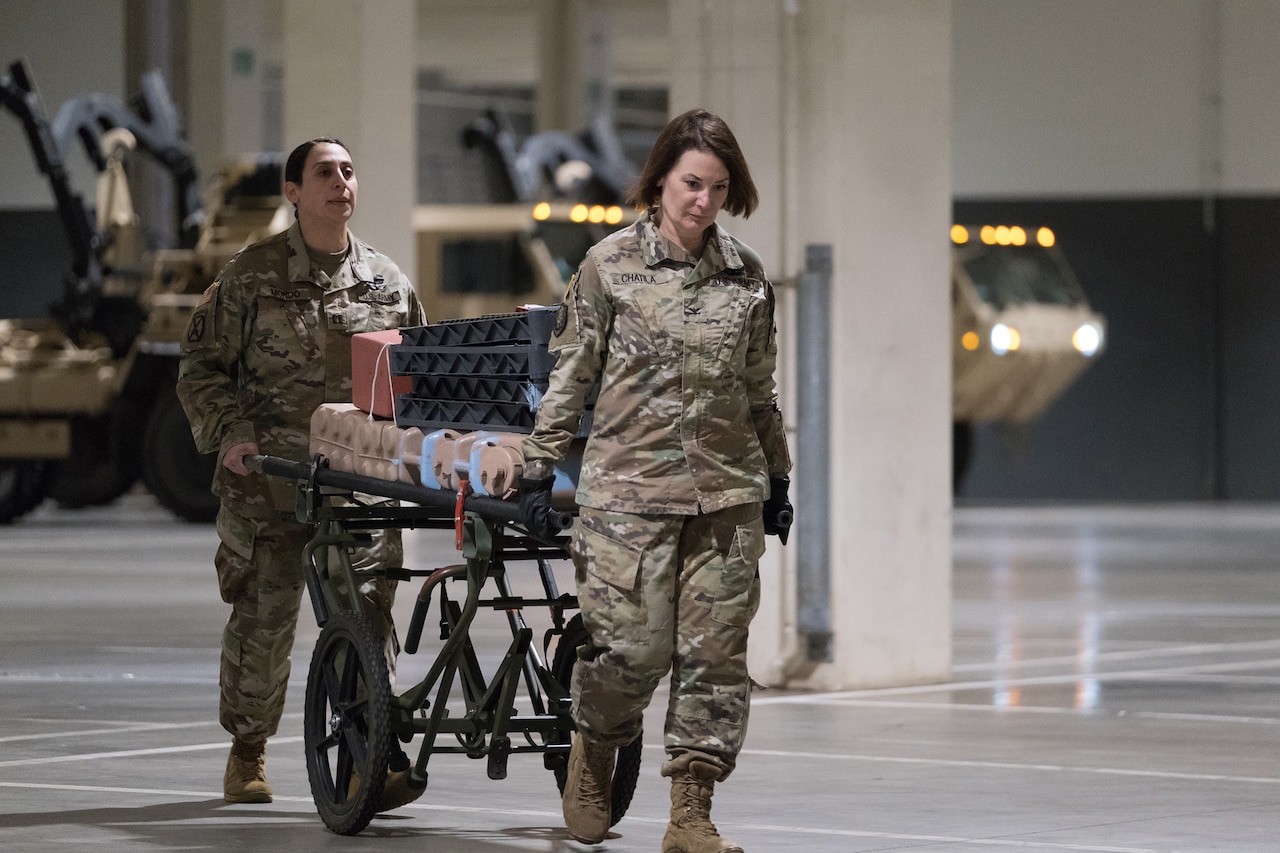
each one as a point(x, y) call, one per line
point(352, 719)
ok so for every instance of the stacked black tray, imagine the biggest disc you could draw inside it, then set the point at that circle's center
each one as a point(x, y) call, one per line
point(480, 373)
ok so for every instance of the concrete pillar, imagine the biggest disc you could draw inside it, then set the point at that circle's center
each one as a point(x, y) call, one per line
point(575, 64)
point(231, 45)
point(843, 110)
point(349, 72)
point(154, 35)
point(243, 64)
point(204, 117)
point(557, 67)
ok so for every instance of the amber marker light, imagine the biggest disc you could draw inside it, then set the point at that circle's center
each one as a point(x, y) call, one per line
point(578, 213)
point(959, 235)
point(1045, 237)
point(542, 211)
point(596, 214)
point(987, 235)
point(1017, 236)
point(613, 214)
point(970, 340)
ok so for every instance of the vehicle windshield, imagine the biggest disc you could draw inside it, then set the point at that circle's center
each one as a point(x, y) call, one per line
point(568, 243)
point(494, 266)
point(1012, 275)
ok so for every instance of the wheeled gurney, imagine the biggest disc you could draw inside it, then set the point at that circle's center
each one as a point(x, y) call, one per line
point(351, 715)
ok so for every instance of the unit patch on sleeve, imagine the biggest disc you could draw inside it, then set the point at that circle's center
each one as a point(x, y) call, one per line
point(195, 333)
point(562, 318)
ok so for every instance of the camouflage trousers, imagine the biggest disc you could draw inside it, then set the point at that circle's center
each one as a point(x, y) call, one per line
point(259, 565)
point(668, 593)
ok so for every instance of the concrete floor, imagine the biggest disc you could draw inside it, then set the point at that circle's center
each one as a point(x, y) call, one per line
point(1116, 688)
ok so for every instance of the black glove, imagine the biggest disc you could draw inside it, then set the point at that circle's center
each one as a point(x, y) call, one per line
point(535, 507)
point(778, 512)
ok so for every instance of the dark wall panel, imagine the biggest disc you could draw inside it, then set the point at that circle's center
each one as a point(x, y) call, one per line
point(1137, 424)
point(34, 262)
point(1249, 284)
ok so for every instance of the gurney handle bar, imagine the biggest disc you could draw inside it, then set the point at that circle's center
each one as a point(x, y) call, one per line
point(492, 509)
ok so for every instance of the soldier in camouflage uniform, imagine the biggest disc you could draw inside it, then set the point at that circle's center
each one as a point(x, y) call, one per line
point(270, 342)
point(684, 472)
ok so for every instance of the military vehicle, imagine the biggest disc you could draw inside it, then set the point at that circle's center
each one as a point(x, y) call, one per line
point(490, 259)
point(87, 401)
point(1022, 328)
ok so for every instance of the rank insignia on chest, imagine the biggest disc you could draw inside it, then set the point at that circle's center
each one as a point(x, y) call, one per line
point(337, 319)
point(378, 283)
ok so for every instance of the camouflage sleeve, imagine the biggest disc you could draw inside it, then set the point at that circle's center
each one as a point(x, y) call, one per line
point(762, 392)
point(211, 347)
point(417, 314)
point(578, 340)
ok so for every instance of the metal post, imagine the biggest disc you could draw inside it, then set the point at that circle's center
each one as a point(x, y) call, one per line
point(813, 456)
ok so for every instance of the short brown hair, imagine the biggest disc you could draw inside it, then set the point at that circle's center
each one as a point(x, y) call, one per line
point(696, 130)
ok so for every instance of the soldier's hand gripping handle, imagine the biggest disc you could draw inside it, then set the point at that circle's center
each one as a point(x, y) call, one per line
point(778, 512)
point(536, 512)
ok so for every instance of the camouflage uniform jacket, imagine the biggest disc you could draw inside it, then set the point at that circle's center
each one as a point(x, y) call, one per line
point(271, 341)
point(683, 353)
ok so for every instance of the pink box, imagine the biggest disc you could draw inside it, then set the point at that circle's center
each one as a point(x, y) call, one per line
point(373, 388)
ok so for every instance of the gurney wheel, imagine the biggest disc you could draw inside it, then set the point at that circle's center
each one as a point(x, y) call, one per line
point(347, 722)
point(627, 769)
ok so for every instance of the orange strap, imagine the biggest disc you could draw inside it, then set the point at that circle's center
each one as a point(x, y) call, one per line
point(458, 513)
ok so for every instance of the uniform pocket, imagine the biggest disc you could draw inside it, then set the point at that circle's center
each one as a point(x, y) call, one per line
point(285, 329)
point(611, 560)
point(739, 594)
point(237, 533)
point(610, 593)
point(727, 334)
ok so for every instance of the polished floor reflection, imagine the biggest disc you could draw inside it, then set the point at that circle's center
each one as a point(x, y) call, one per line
point(1116, 687)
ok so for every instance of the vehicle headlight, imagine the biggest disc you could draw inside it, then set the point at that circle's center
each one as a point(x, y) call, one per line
point(1004, 339)
point(1087, 339)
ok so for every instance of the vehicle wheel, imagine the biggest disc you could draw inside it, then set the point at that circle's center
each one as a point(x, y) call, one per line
point(626, 770)
point(23, 485)
point(347, 722)
point(173, 470)
point(94, 474)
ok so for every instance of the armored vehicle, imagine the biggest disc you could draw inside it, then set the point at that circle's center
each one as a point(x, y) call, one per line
point(87, 401)
point(1022, 328)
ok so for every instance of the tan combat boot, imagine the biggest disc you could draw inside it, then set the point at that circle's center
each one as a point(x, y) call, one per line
point(691, 829)
point(588, 790)
point(246, 779)
point(397, 790)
